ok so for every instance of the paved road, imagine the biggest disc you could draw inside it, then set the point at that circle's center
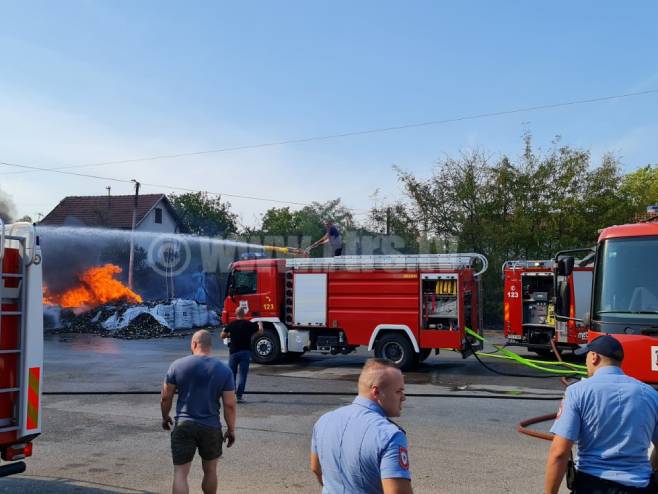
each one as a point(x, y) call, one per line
point(113, 444)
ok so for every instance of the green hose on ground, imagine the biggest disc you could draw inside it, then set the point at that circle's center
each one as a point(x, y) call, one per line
point(538, 365)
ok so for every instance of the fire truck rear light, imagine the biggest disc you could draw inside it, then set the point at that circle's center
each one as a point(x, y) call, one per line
point(17, 452)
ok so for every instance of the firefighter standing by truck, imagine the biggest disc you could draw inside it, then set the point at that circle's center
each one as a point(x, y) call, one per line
point(613, 418)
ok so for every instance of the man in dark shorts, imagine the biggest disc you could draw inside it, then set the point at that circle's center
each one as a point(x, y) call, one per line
point(240, 332)
point(201, 381)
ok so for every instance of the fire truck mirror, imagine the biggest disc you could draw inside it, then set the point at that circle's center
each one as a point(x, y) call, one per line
point(563, 302)
point(565, 266)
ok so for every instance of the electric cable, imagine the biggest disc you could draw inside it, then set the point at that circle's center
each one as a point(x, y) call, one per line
point(365, 131)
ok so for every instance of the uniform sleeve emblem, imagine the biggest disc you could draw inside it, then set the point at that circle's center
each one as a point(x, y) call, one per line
point(404, 458)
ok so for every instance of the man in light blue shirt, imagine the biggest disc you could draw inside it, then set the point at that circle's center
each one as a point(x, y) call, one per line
point(614, 419)
point(356, 449)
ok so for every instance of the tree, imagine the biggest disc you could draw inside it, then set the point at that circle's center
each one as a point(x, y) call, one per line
point(528, 208)
point(640, 189)
point(204, 215)
point(304, 225)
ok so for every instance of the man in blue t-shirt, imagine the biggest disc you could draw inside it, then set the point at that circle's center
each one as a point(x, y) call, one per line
point(332, 237)
point(357, 448)
point(201, 381)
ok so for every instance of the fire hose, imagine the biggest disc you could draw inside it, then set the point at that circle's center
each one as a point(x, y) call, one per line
point(571, 371)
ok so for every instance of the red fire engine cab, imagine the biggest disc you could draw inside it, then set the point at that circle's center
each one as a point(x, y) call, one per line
point(21, 344)
point(624, 301)
point(403, 307)
point(528, 305)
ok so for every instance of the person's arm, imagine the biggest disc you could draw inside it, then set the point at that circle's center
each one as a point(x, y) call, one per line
point(230, 413)
point(556, 465)
point(260, 328)
point(654, 457)
point(315, 467)
point(397, 486)
point(322, 241)
point(394, 466)
point(166, 401)
point(226, 332)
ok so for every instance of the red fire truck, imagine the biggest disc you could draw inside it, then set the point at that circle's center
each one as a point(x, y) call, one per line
point(21, 344)
point(625, 294)
point(403, 307)
point(528, 305)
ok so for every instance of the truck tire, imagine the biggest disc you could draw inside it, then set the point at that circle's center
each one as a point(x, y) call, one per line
point(424, 353)
point(266, 348)
point(397, 348)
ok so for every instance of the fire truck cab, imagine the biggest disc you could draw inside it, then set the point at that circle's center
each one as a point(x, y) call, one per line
point(528, 305)
point(625, 294)
point(402, 307)
point(21, 344)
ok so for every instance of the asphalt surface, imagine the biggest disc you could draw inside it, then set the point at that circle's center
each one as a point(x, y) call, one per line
point(462, 439)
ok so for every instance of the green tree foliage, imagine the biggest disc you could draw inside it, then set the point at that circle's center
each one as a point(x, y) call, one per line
point(640, 189)
point(306, 223)
point(396, 219)
point(524, 208)
point(204, 215)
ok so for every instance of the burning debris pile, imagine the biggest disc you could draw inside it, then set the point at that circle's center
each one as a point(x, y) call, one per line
point(103, 305)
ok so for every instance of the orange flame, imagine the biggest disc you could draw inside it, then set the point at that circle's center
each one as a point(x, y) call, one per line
point(97, 287)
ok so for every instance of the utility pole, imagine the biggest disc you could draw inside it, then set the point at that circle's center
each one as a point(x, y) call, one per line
point(131, 260)
point(388, 221)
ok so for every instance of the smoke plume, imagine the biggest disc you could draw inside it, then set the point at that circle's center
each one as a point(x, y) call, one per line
point(7, 208)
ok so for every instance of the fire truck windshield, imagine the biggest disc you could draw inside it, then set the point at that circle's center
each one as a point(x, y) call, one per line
point(626, 284)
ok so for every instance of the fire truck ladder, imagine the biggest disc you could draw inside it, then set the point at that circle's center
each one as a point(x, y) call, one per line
point(15, 295)
point(392, 262)
point(523, 264)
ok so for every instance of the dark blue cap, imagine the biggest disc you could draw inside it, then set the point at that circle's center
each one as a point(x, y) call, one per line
point(604, 345)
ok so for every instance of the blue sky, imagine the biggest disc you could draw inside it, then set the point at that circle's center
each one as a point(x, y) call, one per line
point(89, 81)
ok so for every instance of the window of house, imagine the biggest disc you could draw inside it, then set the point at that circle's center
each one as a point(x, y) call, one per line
point(158, 215)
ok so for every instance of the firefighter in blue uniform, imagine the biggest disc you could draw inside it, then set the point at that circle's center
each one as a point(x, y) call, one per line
point(357, 448)
point(614, 419)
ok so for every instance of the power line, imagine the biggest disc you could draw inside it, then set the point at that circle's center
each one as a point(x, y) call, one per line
point(354, 133)
point(126, 181)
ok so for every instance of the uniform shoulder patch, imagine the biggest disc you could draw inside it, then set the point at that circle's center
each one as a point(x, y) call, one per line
point(404, 458)
point(559, 410)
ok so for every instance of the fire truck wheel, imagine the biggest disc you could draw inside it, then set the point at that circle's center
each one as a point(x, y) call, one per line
point(396, 348)
point(424, 353)
point(266, 348)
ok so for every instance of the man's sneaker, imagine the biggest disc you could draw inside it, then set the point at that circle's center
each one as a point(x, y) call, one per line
point(240, 399)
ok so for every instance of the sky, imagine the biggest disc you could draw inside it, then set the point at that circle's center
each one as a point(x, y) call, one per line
point(92, 81)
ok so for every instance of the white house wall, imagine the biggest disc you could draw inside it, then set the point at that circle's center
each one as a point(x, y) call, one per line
point(168, 224)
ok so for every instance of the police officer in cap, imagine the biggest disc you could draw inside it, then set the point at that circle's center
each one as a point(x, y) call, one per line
point(356, 448)
point(613, 419)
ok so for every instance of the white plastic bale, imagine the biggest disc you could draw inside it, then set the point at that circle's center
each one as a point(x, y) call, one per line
point(165, 312)
point(201, 316)
point(213, 318)
point(183, 310)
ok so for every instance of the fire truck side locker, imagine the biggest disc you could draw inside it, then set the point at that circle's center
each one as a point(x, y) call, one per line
point(21, 343)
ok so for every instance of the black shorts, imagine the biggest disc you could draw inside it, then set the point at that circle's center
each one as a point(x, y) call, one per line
point(188, 436)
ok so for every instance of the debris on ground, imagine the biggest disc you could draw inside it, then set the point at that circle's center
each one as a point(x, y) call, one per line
point(153, 319)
